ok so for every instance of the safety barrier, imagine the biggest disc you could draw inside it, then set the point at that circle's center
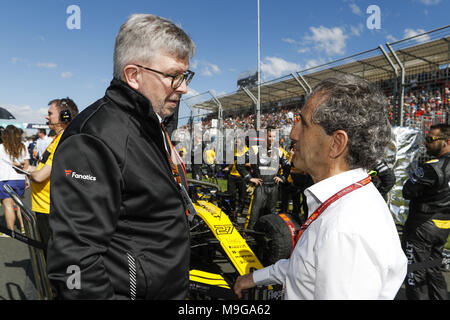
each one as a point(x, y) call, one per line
point(33, 240)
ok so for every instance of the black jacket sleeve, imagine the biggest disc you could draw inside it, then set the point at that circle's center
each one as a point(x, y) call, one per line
point(241, 166)
point(386, 176)
point(85, 205)
point(286, 172)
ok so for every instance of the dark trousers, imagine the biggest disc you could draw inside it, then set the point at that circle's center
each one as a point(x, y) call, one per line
point(43, 227)
point(264, 201)
point(423, 244)
point(197, 172)
point(290, 191)
point(236, 187)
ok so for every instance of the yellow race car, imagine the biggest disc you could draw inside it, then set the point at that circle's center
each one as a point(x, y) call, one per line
point(221, 249)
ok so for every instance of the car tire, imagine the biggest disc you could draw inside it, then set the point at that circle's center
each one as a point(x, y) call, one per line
point(277, 242)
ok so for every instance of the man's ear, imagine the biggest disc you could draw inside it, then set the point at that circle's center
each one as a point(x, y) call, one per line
point(132, 76)
point(339, 144)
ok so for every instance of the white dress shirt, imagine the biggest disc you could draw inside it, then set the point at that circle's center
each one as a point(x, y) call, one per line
point(6, 171)
point(162, 132)
point(351, 251)
point(41, 145)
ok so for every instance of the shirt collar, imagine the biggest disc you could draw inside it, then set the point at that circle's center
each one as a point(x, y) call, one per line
point(159, 118)
point(322, 190)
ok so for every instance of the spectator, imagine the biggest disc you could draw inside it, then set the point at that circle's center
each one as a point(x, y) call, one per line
point(31, 147)
point(42, 143)
point(197, 157)
point(341, 255)
point(60, 114)
point(126, 226)
point(12, 150)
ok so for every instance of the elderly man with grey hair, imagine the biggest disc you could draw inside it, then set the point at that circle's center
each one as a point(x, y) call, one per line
point(349, 247)
point(118, 217)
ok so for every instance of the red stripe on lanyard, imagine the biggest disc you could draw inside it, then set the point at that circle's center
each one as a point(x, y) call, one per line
point(177, 157)
point(181, 162)
point(290, 226)
point(328, 202)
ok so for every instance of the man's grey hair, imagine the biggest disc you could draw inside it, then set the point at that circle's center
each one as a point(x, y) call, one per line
point(360, 109)
point(145, 35)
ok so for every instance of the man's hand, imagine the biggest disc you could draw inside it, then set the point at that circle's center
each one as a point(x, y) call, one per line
point(256, 181)
point(277, 179)
point(242, 283)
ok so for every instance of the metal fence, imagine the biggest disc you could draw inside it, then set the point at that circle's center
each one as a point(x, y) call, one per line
point(33, 239)
point(419, 63)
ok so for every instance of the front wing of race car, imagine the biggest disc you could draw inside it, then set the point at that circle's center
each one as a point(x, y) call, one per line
point(214, 285)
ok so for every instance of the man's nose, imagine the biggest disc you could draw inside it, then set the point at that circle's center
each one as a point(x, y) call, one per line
point(183, 88)
point(295, 131)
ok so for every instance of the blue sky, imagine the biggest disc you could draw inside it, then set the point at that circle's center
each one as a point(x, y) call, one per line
point(42, 59)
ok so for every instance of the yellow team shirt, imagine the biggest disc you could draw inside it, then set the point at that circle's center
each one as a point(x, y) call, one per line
point(234, 171)
point(40, 192)
point(210, 156)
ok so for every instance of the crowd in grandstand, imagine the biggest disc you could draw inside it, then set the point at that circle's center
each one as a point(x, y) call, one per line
point(418, 104)
point(421, 103)
point(280, 117)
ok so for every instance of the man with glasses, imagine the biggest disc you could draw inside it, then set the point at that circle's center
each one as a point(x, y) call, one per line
point(428, 224)
point(118, 211)
point(348, 248)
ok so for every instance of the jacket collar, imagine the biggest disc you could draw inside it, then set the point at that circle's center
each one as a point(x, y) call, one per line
point(134, 101)
point(130, 99)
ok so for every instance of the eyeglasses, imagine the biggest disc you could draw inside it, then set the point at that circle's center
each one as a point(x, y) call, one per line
point(430, 139)
point(177, 80)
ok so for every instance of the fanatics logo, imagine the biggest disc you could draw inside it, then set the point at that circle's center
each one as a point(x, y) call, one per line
point(75, 175)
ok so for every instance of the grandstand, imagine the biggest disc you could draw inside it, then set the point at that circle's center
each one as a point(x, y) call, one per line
point(414, 74)
point(409, 71)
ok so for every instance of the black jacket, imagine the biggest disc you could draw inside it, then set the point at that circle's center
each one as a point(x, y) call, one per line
point(116, 212)
point(429, 191)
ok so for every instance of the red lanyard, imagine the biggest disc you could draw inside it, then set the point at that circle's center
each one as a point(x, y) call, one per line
point(173, 166)
point(325, 205)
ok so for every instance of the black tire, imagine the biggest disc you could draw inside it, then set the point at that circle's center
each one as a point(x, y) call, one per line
point(276, 243)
